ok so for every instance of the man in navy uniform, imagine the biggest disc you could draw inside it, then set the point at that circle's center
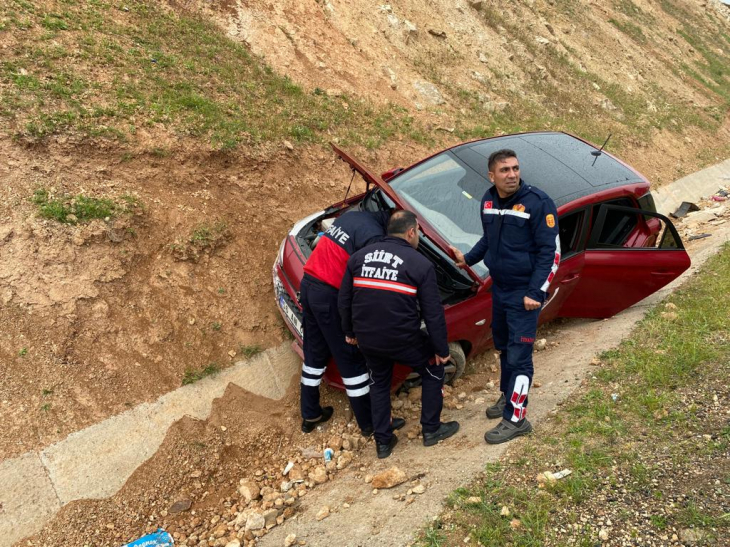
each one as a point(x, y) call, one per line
point(323, 336)
point(387, 289)
point(521, 248)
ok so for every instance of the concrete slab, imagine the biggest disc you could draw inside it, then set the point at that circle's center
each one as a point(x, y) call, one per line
point(692, 187)
point(97, 461)
point(27, 498)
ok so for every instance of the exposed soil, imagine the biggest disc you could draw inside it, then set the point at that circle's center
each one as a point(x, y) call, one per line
point(92, 313)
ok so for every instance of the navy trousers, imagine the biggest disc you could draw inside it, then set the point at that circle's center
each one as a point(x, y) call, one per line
point(514, 329)
point(432, 399)
point(323, 339)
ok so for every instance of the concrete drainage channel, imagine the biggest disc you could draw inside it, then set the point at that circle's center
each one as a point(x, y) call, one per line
point(97, 461)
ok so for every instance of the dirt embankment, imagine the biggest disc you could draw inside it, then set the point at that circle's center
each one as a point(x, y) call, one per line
point(100, 317)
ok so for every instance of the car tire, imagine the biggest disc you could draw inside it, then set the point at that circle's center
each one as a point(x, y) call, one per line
point(458, 362)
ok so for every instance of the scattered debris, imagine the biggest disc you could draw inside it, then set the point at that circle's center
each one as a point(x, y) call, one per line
point(505, 512)
point(540, 344)
point(551, 478)
point(683, 209)
point(180, 506)
point(699, 236)
point(159, 539)
point(390, 478)
point(290, 540)
point(323, 513)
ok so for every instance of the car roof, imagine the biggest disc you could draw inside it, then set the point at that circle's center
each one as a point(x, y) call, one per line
point(559, 164)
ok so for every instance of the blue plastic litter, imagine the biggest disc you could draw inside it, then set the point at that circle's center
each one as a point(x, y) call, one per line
point(158, 539)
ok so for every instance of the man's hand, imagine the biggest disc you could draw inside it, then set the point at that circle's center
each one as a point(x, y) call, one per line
point(531, 304)
point(438, 360)
point(352, 341)
point(458, 257)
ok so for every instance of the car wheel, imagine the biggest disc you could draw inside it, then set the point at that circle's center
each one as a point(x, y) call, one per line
point(455, 368)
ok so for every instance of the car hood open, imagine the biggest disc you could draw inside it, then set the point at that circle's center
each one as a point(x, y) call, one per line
point(427, 229)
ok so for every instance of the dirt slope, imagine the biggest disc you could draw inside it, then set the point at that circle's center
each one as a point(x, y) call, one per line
point(102, 316)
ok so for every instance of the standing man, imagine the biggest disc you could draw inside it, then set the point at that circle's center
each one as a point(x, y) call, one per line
point(323, 336)
point(387, 289)
point(521, 248)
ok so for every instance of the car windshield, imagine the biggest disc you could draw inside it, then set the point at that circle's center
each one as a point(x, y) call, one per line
point(447, 194)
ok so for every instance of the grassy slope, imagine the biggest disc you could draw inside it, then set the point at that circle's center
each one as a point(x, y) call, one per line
point(106, 69)
point(647, 440)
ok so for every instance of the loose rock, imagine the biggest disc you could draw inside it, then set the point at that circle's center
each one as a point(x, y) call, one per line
point(390, 478)
point(323, 513)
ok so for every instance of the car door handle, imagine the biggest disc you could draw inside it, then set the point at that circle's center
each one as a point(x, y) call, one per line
point(571, 278)
point(663, 274)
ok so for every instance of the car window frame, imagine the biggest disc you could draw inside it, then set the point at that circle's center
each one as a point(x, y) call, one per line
point(594, 245)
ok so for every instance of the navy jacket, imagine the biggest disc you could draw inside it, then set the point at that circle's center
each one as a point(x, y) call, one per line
point(349, 232)
point(387, 289)
point(521, 242)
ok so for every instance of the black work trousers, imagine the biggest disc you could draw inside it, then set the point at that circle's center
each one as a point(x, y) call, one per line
point(324, 339)
point(432, 399)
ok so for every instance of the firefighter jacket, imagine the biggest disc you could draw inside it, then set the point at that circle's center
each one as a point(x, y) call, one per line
point(521, 243)
point(349, 232)
point(388, 288)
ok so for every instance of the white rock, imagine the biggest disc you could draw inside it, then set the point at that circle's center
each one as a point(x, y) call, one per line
point(323, 513)
point(290, 540)
point(255, 521)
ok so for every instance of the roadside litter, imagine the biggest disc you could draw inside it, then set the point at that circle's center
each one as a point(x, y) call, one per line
point(550, 478)
point(699, 236)
point(682, 210)
point(158, 539)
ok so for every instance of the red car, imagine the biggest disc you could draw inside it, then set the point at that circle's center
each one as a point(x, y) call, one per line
point(616, 249)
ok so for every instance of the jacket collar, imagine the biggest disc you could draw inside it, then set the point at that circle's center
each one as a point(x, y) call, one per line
point(518, 194)
point(397, 240)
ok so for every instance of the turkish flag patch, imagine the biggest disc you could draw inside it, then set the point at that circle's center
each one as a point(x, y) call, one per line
point(488, 205)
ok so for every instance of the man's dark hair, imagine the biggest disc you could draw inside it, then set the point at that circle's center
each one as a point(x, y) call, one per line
point(500, 155)
point(400, 222)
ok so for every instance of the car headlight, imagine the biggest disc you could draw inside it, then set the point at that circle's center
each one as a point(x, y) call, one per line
point(280, 257)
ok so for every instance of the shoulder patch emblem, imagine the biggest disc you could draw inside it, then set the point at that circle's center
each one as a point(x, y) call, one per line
point(519, 207)
point(487, 205)
point(550, 220)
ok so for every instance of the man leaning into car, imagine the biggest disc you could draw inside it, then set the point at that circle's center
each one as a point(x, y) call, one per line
point(521, 248)
point(323, 336)
point(388, 287)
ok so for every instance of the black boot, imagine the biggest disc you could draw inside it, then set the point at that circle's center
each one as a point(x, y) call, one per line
point(309, 425)
point(384, 450)
point(444, 431)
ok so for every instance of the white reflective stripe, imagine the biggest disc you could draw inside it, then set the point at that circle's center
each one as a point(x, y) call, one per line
point(314, 371)
point(356, 380)
point(311, 382)
point(514, 213)
point(385, 285)
point(510, 212)
point(554, 269)
point(358, 392)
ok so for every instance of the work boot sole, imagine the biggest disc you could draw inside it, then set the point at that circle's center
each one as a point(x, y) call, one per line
point(502, 433)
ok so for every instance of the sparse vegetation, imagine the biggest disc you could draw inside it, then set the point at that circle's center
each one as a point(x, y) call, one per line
point(80, 209)
point(249, 351)
point(23, 352)
point(193, 375)
point(648, 429)
point(163, 69)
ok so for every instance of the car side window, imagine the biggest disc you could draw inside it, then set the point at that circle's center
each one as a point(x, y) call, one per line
point(571, 228)
point(618, 226)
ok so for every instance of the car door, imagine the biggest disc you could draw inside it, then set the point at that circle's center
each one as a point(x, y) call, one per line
point(620, 268)
point(573, 228)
